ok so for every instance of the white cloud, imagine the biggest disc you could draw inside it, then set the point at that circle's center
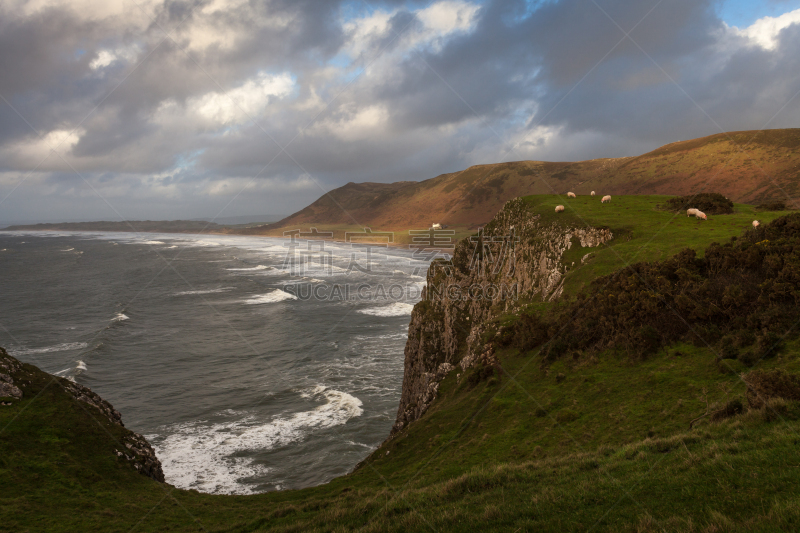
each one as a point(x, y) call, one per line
point(439, 21)
point(107, 56)
point(355, 124)
point(239, 105)
point(449, 16)
point(30, 152)
point(764, 32)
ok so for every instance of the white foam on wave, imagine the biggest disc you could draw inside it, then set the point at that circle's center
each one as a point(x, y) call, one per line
point(251, 269)
point(207, 457)
point(203, 291)
point(81, 365)
point(68, 250)
point(49, 349)
point(271, 297)
point(395, 309)
point(119, 317)
point(148, 242)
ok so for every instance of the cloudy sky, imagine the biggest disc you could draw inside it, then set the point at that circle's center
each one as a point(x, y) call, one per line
point(164, 109)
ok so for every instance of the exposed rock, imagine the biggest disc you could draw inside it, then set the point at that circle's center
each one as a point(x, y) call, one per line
point(86, 395)
point(138, 451)
point(144, 457)
point(516, 255)
point(8, 366)
point(8, 389)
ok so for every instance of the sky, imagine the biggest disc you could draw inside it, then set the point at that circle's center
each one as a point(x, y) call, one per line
point(153, 109)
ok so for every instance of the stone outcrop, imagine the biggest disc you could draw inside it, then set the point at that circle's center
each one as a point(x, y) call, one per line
point(8, 366)
point(137, 450)
point(516, 255)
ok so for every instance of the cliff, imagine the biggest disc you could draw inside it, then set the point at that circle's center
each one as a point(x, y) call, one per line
point(23, 382)
point(517, 256)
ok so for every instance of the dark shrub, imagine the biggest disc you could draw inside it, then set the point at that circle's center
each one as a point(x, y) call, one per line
point(732, 408)
point(768, 344)
point(529, 332)
point(648, 340)
point(744, 338)
point(772, 206)
point(555, 349)
point(480, 373)
point(711, 203)
point(765, 385)
point(748, 358)
point(727, 350)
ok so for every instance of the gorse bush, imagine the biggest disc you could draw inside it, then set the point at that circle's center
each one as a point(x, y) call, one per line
point(763, 386)
point(772, 206)
point(711, 203)
point(745, 292)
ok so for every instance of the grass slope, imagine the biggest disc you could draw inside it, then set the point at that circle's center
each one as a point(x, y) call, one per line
point(601, 442)
point(643, 230)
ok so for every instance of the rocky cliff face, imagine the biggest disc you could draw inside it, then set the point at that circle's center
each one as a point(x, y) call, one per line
point(135, 449)
point(515, 256)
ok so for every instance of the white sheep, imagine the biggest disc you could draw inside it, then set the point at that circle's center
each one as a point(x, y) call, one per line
point(570, 195)
point(699, 214)
point(606, 198)
point(591, 193)
point(691, 212)
point(559, 208)
point(756, 223)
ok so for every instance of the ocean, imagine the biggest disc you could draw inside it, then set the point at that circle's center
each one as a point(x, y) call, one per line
point(251, 364)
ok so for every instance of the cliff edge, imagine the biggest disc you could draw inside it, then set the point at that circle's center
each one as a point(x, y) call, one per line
point(21, 382)
point(516, 256)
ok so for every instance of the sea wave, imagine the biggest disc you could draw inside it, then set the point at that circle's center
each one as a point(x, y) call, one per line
point(48, 349)
point(202, 291)
point(271, 297)
point(395, 309)
point(208, 457)
point(251, 269)
point(119, 317)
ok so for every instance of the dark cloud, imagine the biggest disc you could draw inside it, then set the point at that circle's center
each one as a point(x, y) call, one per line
point(178, 103)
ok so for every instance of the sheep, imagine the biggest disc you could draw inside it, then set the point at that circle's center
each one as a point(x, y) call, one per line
point(606, 198)
point(591, 193)
point(699, 214)
point(559, 208)
point(756, 223)
point(570, 195)
point(691, 212)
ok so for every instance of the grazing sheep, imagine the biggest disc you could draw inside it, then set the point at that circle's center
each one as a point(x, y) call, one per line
point(699, 214)
point(691, 212)
point(606, 198)
point(756, 223)
point(559, 208)
point(592, 193)
point(570, 195)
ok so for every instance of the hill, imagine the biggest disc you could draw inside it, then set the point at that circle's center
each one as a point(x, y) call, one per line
point(747, 167)
point(495, 431)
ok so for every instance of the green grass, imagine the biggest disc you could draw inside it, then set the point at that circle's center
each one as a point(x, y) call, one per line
point(596, 442)
point(501, 454)
point(642, 231)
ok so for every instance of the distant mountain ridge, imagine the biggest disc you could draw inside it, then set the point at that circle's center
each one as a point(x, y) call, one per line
point(745, 166)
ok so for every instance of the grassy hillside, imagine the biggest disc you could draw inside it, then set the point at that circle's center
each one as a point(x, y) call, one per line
point(748, 167)
point(600, 441)
point(644, 230)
